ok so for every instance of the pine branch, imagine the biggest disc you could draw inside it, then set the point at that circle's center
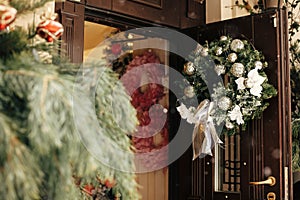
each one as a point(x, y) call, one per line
point(19, 164)
point(39, 100)
point(25, 6)
point(17, 38)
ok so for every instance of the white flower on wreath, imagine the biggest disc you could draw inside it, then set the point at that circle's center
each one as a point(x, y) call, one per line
point(236, 115)
point(240, 83)
point(253, 82)
point(257, 103)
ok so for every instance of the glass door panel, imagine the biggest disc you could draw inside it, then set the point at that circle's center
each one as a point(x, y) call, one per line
point(227, 165)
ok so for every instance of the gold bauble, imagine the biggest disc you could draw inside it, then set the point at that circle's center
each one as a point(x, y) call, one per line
point(189, 68)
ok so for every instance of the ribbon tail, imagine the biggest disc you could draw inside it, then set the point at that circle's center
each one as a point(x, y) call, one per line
point(213, 133)
point(211, 138)
point(207, 144)
point(198, 139)
point(204, 135)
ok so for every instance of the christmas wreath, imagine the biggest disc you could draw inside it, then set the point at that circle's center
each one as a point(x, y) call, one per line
point(151, 135)
point(240, 98)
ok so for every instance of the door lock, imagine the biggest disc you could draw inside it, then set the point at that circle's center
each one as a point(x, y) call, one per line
point(271, 196)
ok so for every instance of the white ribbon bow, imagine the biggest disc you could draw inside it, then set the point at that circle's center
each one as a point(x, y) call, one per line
point(204, 135)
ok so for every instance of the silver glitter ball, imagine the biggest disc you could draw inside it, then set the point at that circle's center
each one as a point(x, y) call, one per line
point(204, 51)
point(258, 65)
point(237, 45)
point(198, 49)
point(218, 51)
point(237, 69)
point(232, 57)
point(228, 124)
point(189, 91)
point(189, 68)
point(220, 69)
point(224, 103)
point(223, 38)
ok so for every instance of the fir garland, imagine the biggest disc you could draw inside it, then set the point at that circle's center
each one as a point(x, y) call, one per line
point(40, 149)
point(246, 89)
point(25, 6)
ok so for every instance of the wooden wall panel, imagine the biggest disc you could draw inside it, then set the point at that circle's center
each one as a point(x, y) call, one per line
point(105, 4)
point(163, 12)
point(154, 185)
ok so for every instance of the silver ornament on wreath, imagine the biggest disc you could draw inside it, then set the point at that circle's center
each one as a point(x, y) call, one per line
point(223, 38)
point(224, 103)
point(229, 125)
point(200, 50)
point(218, 51)
point(220, 69)
point(237, 45)
point(204, 52)
point(237, 69)
point(232, 57)
point(189, 91)
point(189, 68)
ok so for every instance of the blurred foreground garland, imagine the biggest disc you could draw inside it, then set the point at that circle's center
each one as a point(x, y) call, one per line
point(40, 149)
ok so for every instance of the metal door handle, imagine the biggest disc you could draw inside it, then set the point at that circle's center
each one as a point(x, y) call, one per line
point(270, 181)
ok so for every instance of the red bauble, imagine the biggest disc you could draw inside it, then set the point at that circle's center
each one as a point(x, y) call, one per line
point(116, 49)
point(7, 16)
point(110, 183)
point(88, 188)
point(50, 30)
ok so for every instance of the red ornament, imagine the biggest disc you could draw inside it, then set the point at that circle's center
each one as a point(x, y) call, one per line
point(88, 188)
point(116, 49)
point(50, 30)
point(7, 16)
point(110, 183)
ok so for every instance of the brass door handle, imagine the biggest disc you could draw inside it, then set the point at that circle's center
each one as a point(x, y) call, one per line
point(270, 181)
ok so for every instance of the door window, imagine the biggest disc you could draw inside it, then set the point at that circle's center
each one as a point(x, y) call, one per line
point(227, 164)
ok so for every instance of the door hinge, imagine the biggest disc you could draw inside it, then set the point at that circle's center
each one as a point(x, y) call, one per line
point(286, 183)
point(274, 17)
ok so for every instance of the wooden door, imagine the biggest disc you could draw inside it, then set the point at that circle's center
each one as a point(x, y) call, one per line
point(264, 149)
point(72, 18)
